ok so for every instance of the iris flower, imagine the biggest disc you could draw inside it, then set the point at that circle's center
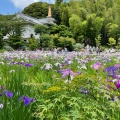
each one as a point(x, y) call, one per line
point(96, 65)
point(26, 100)
point(118, 84)
point(111, 71)
point(28, 65)
point(9, 94)
point(1, 105)
point(68, 72)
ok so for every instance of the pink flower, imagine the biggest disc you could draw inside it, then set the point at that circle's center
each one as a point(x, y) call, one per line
point(96, 66)
point(68, 72)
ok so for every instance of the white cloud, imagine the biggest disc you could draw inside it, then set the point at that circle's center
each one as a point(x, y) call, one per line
point(24, 3)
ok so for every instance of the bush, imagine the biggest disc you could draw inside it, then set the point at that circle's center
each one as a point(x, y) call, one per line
point(78, 46)
point(8, 48)
point(33, 43)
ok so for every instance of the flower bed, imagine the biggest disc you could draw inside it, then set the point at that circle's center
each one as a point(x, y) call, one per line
point(66, 86)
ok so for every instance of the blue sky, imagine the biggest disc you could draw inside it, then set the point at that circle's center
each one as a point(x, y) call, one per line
point(14, 6)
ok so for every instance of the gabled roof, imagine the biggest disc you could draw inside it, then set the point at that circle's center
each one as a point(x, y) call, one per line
point(47, 20)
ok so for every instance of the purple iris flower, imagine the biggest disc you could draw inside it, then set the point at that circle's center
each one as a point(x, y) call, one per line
point(111, 71)
point(9, 94)
point(28, 65)
point(6, 58)
point(20, 63)
point(26, 100)
point(12, 63)
point(118, 84)
point(66, 72)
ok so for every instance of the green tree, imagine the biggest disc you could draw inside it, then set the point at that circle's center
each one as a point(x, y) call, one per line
point(15, 41)
point(37, 10)
point(94, 26)
point(75, 26)
point(45, 40)
point(13, 26)
point(58, 2)
point(56, 15)
point(41, 29)
point(33, 43)
point(112, 30)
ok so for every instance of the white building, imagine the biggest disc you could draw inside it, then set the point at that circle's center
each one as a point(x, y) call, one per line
point(29, 29)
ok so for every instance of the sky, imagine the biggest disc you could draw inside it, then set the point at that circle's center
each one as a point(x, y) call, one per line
point(14, 6)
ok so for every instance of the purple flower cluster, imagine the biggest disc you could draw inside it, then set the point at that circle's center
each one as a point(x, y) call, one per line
point(111, 71)
point(22, 63)
point(9, 94)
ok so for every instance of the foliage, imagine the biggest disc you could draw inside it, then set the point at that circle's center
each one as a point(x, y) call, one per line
point(13, 26)
point(41, 29)
point(33, 43)
point(37, 10)
point(82, 20)
point(98, 40)
point(112, 41)
point(1, 41)
point(45, 40)
point(8, 48)
point(112, 30)
point(61, 30)
point(15, 41)
point(78, 46)
point(63, 42)
point(58, 87)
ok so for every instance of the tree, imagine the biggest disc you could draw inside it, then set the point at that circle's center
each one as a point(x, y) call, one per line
point(45, 40)
point(112, 30)
point(61, 30)
point(13, 26)
point(33, 43)
point(15, 41)
point(41, 29)
point(37, 10)
point(94, 26)
point(58, 2)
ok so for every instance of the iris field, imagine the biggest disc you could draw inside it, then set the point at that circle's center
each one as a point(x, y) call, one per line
point(38, 85)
